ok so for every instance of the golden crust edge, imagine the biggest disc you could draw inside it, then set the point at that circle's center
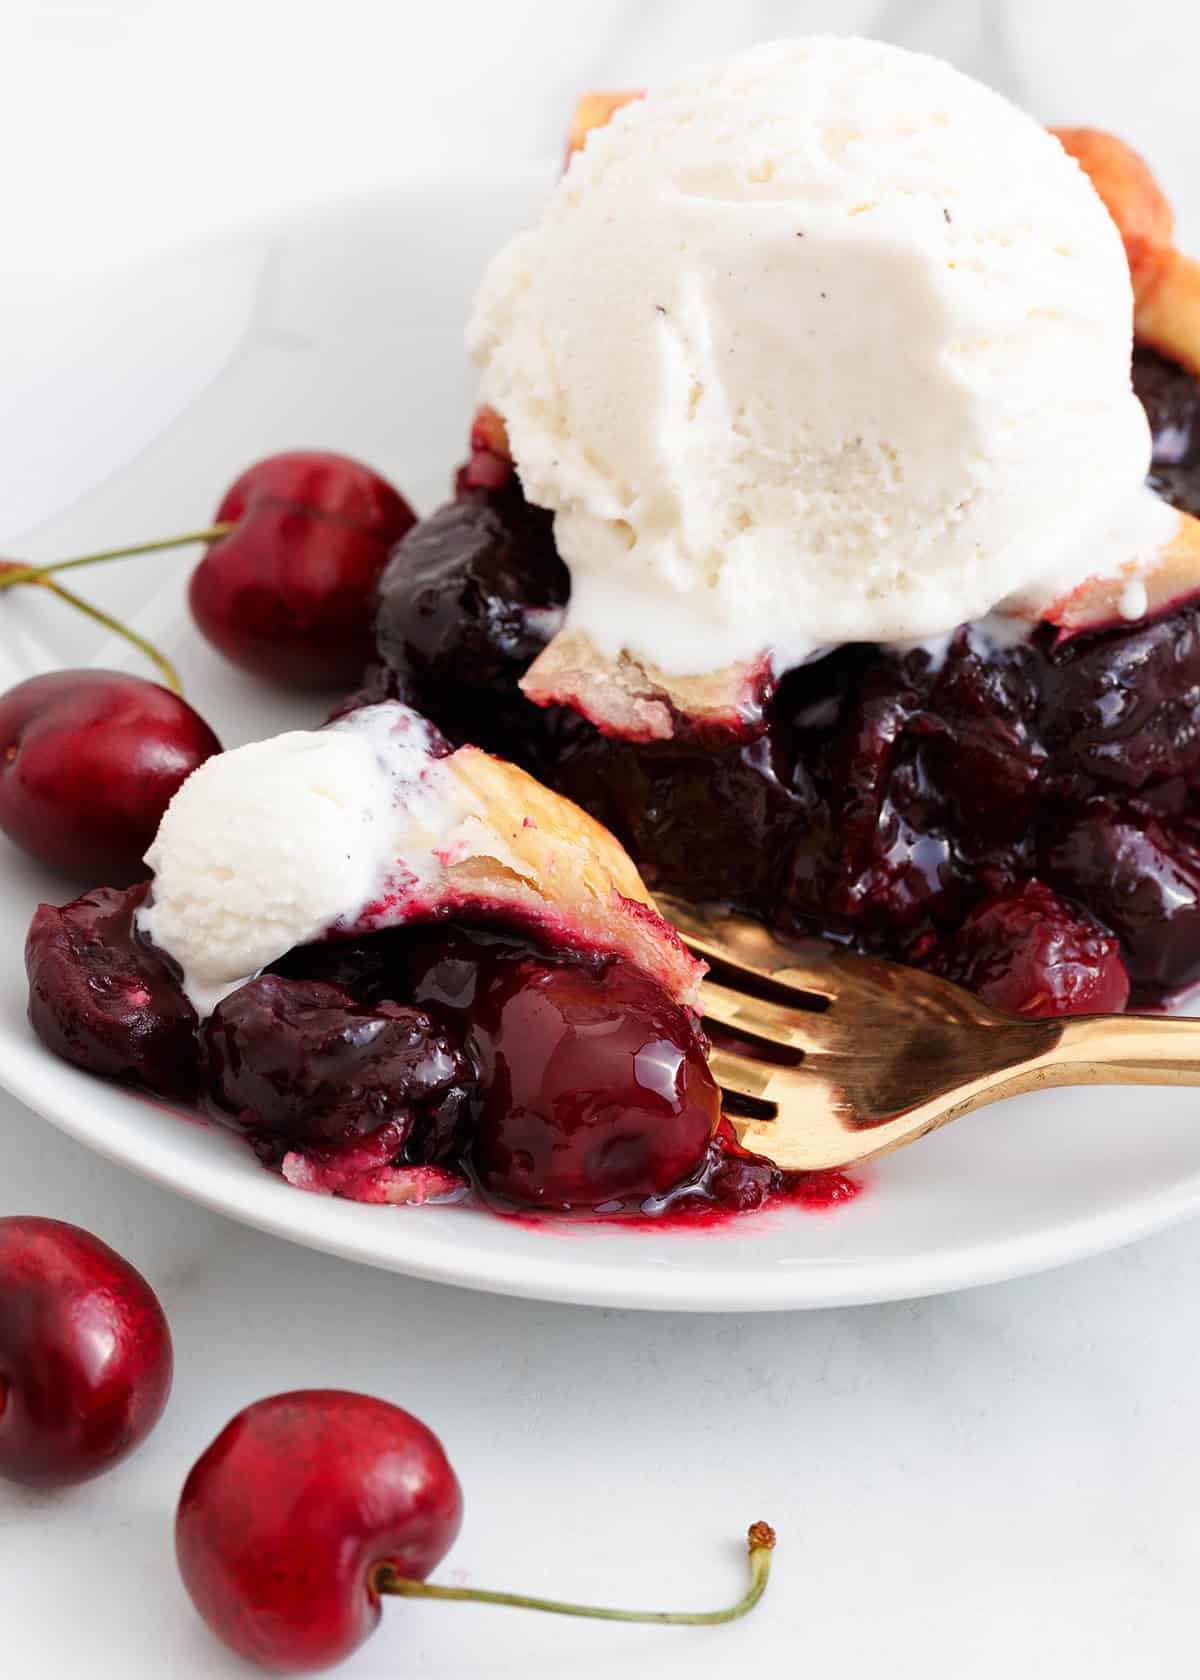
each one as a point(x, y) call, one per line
point(531, 852)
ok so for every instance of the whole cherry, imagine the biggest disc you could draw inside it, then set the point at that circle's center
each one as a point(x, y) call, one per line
point(287, 593)
point(85, 1354)
point(595, 1088)
point(286, 586)
point(286, 1520)
point(89, 761)
point(309, 1507)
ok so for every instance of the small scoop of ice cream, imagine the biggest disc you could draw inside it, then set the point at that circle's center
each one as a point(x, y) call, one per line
point(371, 823)
point(828, 343)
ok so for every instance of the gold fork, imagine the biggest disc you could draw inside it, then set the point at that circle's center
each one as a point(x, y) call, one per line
point(827, 1058)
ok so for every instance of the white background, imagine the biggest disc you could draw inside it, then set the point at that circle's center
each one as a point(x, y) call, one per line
point(1001, 1482)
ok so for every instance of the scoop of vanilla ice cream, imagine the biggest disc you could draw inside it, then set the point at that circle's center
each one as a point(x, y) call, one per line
point(827, 343)
point(371, 823)
point(274, 844)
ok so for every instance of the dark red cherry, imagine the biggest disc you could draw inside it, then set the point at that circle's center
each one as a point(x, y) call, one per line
point(1141, 872)
point(89, 761)
point(1031, 952)
point(287, 1519)
point(101, 998)
point(595, 1087)
point(85, 1354)
point(288, 593)
point(310, 1506)
point(467, 600)
point(302, 1060)
point(1171, 397)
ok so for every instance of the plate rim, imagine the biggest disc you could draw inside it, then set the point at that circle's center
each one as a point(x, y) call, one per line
point(241, 1191)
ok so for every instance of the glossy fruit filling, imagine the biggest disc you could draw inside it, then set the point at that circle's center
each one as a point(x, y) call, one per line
point(417, 1064)
point(1171, 398)
point(1017, 812)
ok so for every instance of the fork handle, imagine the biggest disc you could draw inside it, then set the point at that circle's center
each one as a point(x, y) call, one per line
point(1126, 1050)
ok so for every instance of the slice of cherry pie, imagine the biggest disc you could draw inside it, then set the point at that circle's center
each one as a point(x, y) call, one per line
point(495, 1000)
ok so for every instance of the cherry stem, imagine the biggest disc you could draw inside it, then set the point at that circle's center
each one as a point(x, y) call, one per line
point(34, 574)
point(761, 1542)
point(169, 674)
point(12, 573)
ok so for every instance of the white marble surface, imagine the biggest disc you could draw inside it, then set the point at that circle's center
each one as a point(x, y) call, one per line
point(999, 1482)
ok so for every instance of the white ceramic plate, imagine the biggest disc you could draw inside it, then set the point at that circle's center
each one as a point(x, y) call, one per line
point(134, 399)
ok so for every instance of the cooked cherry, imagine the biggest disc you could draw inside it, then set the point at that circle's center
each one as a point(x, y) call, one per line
point(1141, 874)
point(468, 599)
point(395, 964)
point(288, 593)
point(301, 1059)
point(978, 738)
point(1118, 710)
point(101, 998)
point(741, 1183)
point(449, 972)
point(1032, 953)
point(85, 1354)
point(750, 803)
point(1171, 398)
point(595, 1088)
point(890, 822)
point(732, 1181)
point(89, 761)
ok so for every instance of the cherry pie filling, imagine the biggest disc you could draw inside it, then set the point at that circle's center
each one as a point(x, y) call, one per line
point(1020, 816)
point(416, 1063)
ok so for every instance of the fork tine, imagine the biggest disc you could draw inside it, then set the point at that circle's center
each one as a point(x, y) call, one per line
point(739, 946)
point(741, 1076)
point(797, 1119)
point(828, 1058)
point(779, 1025)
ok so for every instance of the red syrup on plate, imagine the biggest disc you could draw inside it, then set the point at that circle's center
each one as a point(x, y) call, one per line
point(732, 1187)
